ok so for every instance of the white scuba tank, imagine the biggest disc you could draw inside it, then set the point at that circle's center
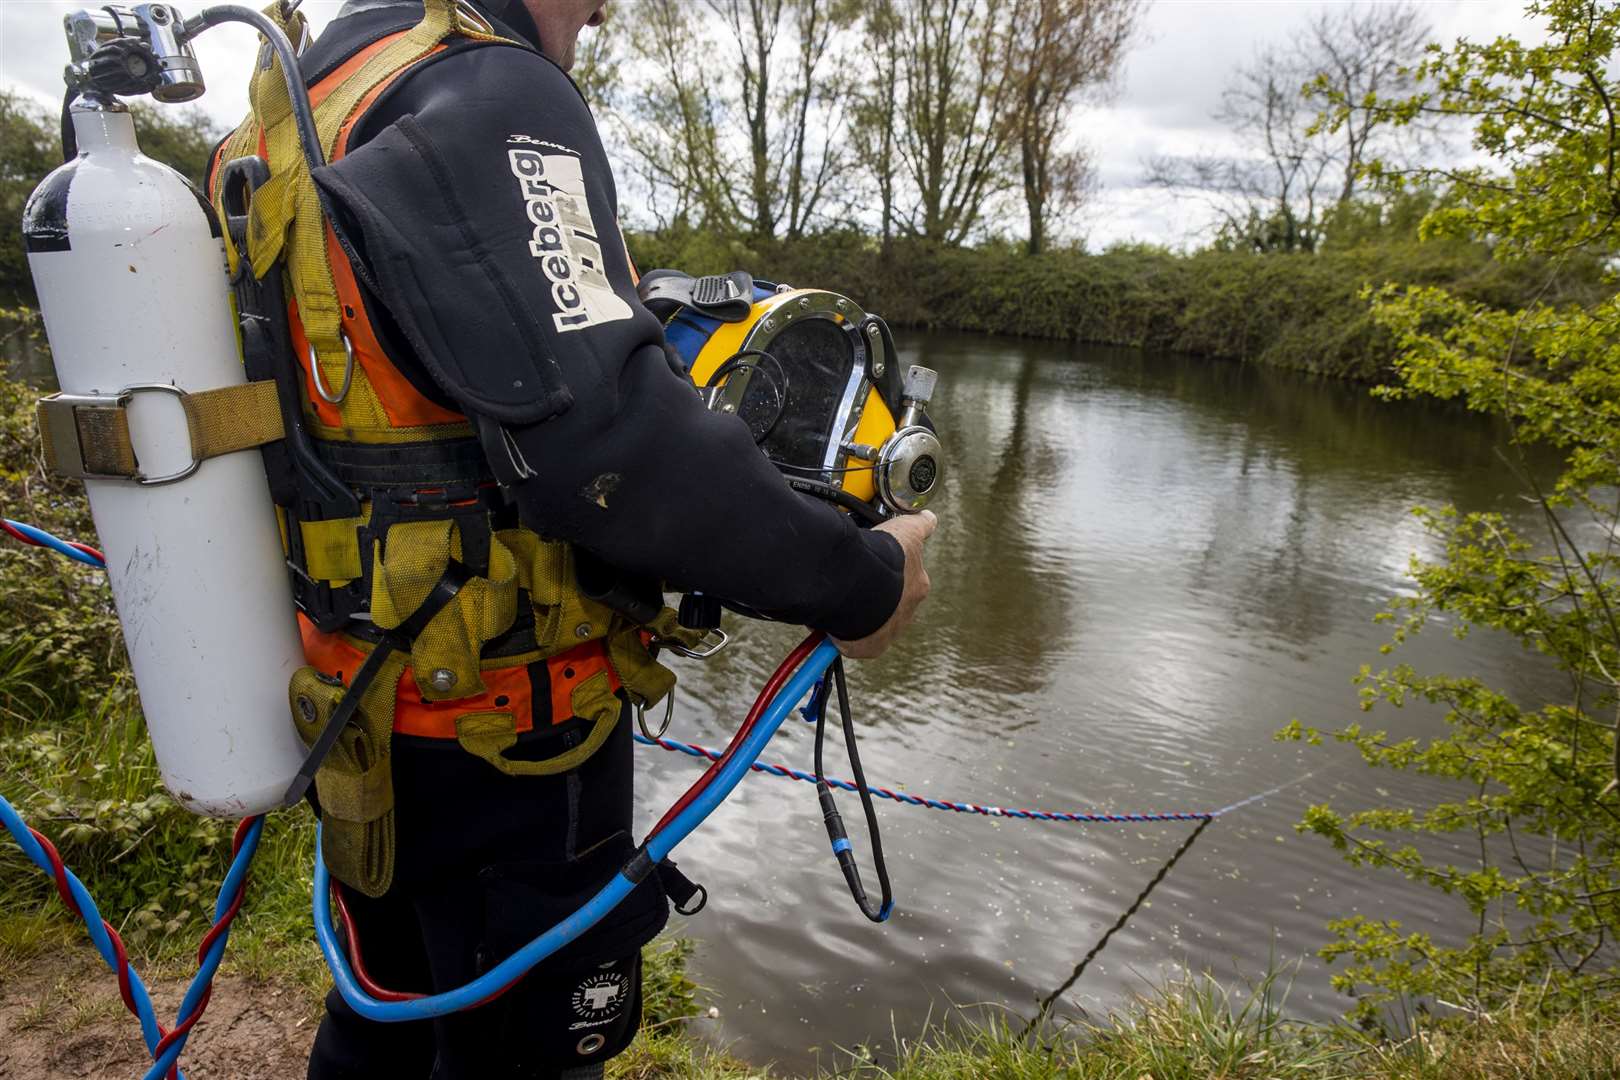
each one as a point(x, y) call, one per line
point(130, 269)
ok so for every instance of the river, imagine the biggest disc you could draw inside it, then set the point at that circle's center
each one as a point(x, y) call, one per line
point(1145, 566)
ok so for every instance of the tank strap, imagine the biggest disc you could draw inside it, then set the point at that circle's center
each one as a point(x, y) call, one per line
point(87, 436)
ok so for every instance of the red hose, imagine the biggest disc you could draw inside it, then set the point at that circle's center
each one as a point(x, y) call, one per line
point(780, 676)
point(29, 540)
point(355, 961)
point(168, 1035)
point(772, 686)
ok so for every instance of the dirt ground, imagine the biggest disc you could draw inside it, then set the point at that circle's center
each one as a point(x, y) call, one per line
point(61, 1021)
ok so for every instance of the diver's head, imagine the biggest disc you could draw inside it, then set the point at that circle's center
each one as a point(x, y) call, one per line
point(559, 23)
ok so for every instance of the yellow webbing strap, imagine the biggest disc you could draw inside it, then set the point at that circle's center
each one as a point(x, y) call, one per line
point(563, 616)
point(489, 735)
point(232, 418)
point(645, 680)
point(445, 654)
point(332, 548)
point(285, 215)
point(93, 440)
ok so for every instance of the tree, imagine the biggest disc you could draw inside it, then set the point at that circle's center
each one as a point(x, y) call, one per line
point(1059, 50)
point(29, 148)
point(958, 97)
point(875, 115)
point(1538, 803)
point(597, 68)
point(1266, 199)
point(1359, 55)
point(1276, 194)
point(755, 141)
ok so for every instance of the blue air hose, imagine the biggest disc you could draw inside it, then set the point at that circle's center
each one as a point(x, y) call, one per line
point(654, 849)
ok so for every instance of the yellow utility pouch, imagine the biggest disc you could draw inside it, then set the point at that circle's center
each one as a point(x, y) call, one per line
point(404, 571)
point(489, 735)
point(355, 783)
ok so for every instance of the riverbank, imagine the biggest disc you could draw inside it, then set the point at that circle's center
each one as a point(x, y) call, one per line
point(62, 1018)
point(1299, 312)
point(1302, 312)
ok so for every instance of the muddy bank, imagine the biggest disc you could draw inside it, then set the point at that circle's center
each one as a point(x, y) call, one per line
point(64, 1020)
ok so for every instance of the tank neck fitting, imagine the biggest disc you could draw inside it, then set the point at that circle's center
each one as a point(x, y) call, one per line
point(102, 123)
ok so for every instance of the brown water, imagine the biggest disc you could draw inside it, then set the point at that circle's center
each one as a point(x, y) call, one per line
point(1145, 566)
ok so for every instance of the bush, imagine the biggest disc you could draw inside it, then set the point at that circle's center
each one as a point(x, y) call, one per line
point(1303, 312)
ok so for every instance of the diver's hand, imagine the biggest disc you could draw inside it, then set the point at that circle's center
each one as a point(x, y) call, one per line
point(913, 531)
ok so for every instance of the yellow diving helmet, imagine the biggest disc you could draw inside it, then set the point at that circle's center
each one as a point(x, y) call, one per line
point(816, 380)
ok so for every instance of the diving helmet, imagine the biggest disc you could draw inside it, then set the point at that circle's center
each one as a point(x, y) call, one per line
point(817, 381)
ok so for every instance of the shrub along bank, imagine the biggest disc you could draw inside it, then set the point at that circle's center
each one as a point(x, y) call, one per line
point(1302, 312)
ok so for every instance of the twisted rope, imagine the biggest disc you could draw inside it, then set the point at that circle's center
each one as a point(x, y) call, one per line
point(1085, 817)
point(165, 1044)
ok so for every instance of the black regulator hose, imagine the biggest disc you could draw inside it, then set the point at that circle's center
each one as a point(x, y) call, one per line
point(829, 808)
point(309, 138)
point(70, 141)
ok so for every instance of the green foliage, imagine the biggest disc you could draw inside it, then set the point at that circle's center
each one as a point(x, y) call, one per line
point(76, 761)
point(1196, 1030)
point(1303, 312)
point(1534, 828)
point(28, 150)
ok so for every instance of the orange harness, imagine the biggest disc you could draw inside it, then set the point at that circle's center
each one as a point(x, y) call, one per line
point(509, 688)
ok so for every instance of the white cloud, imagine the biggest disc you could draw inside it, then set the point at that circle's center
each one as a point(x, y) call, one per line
point(1170, 87)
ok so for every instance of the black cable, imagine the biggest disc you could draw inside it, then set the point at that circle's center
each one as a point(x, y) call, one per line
point(864, 513)
point(1080, 969)
point(70, 140)
point(309, 140)
point(822, 469)
point(829, 808)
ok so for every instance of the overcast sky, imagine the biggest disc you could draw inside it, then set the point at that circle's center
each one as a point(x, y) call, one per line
point(1170, 86)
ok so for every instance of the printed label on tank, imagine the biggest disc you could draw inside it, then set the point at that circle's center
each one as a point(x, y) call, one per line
point(563, 239)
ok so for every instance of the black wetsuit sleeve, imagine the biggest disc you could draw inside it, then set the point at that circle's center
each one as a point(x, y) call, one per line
point(484, 208)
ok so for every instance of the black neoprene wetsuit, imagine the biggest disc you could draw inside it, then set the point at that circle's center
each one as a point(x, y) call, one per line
point(625, 460)
point(442, 192)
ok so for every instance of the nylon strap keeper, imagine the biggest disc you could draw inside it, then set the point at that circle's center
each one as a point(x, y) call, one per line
point(87, 436)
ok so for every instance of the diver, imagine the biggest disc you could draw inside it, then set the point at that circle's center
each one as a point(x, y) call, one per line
point(533, 467)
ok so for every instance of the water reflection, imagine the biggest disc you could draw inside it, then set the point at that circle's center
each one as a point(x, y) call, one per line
point(1144, 567)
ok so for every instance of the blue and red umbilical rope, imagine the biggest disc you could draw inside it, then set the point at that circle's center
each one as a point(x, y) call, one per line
point(166, 1044)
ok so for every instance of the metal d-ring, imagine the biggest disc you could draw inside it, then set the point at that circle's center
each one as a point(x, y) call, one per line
point(712, 642)
point(348, 371)
point(669, 713)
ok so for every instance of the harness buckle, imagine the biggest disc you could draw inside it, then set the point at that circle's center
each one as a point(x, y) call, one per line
point(711, 642)
point(80, 454)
